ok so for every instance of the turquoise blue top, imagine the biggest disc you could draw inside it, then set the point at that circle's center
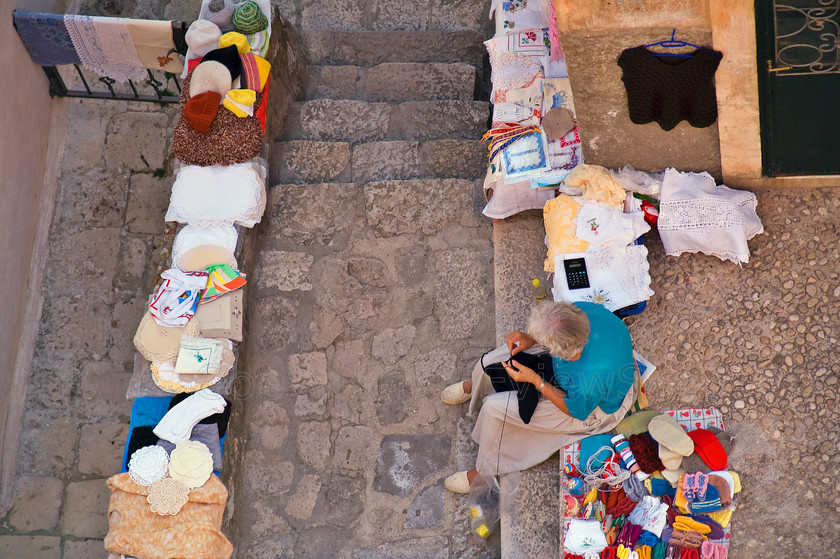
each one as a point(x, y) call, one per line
point(604, 373)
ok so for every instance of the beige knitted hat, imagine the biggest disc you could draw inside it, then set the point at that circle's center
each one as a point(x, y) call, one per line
point(203, 36)
point(210, 76)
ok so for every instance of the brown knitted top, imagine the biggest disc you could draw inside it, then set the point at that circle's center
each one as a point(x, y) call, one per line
point(667, 90)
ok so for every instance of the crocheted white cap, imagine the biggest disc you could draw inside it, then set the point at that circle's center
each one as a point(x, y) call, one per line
point(203, 36)
point(191, 463)
point(148, 465)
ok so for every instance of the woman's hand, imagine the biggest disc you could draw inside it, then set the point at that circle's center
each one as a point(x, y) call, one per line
point(523, 374)
point(518, 341)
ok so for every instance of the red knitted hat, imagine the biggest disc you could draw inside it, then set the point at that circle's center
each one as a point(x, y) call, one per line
point(708, 447)
point(200, 110)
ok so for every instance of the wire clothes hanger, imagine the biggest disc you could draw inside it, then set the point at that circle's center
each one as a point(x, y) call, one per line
point(672, 44)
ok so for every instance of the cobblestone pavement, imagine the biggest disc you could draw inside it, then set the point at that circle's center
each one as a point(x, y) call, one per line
point(359, 314)
point(760, 344)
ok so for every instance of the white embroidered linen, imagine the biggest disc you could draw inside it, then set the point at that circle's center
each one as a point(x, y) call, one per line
point(618, 277)
point(600, 226)
point(217, 195)
point(695, 215)
point(105, 46)
point(584, 536)
point(510, 199)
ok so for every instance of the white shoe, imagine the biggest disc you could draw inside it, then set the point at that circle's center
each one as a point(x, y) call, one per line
point(458, 483)
point(454, 394)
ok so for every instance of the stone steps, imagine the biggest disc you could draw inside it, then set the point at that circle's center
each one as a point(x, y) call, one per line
point(393, 82)
point(368, 48)
point(354, 121)
point(530, 501)
point(307, 161)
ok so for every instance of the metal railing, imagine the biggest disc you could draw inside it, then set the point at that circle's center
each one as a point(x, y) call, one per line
point(155, 89)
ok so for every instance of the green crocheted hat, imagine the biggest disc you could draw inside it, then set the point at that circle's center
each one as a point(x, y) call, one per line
point(249, 18)
point(636, 424)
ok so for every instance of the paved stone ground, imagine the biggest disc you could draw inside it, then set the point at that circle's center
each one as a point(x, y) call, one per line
point(106, 243)
point(759, 343)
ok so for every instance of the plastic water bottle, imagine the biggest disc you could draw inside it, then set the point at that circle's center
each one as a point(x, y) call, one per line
point(538, 290)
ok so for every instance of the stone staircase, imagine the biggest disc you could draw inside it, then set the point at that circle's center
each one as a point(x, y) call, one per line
point(399, 107)
point(386, 106)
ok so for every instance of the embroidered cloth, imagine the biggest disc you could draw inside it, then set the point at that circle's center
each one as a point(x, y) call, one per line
point(46, 38)
point(105, 46)
point(695, 215)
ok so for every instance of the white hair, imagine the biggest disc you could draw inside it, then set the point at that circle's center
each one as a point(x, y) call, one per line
point(561, 327)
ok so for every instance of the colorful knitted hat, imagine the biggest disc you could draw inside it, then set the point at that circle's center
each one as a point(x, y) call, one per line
point(240, 102)
point(229, 56)
point(210, 76)
point(201, 110)
point(236, 39)
point(249, 18)
point(694, 463)
point(203, 36)
point(709, 448)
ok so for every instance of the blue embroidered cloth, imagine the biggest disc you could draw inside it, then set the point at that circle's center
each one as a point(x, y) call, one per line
point(46, 38)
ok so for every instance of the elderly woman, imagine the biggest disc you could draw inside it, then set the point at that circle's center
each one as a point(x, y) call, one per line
point(570, 376)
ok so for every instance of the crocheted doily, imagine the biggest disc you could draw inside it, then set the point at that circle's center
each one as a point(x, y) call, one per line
point(191, 463)
point(156, 343)
point(148, 465)
point(167, 496)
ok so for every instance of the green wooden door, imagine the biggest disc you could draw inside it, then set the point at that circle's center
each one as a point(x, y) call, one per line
point(799, 86)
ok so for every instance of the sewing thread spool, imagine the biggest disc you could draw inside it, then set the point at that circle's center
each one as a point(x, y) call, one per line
point(623, 448)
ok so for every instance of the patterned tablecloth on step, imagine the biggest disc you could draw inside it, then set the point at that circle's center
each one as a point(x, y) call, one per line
point(689, 419)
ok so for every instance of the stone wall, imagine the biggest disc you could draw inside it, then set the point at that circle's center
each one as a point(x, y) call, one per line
point(594, 33)
point(26, 196)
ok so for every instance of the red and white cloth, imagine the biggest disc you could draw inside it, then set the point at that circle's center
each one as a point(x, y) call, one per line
point(177, 297)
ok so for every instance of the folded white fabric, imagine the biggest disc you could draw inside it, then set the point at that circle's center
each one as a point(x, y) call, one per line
point(602, 227)
point(218, 195)
point(695, 215)
point(199, 356)
point(178, 422)
point(192, 236)
point(177, 297)
point(510, 199)
point(584, 536)
point(618, 277)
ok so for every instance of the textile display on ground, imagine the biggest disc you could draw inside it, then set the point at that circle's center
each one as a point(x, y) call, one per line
point(169, 500)
point(655, 511)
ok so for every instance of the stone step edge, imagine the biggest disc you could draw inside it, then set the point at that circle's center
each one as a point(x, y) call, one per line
point(519, 251)
point(307, 161)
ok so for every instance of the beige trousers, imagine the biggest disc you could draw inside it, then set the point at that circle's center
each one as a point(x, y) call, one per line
point(506, 444)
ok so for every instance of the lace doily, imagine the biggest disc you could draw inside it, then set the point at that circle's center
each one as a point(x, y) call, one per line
point(192, 236)
point(105, 46)
point(167, 496)
point(191, 463)
point(148, 465)
point(217, 196)
point(513, 71)
point(157, 343)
